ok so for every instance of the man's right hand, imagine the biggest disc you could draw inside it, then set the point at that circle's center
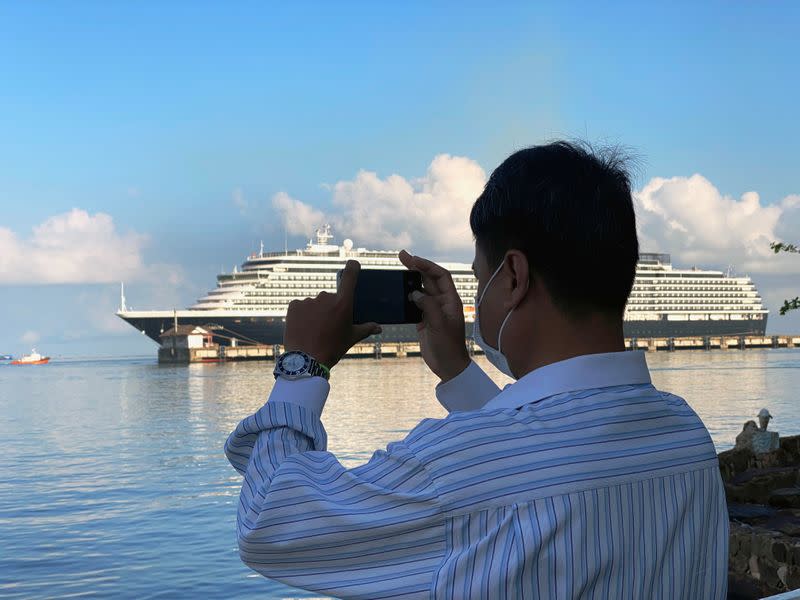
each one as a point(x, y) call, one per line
point(441, 332)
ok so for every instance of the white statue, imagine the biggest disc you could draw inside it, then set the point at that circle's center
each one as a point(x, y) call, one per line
point(763, 419)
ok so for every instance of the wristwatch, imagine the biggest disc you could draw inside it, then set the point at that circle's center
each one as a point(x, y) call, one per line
point(298, 365)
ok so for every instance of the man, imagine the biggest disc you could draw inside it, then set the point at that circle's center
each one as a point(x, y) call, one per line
point(579, 480)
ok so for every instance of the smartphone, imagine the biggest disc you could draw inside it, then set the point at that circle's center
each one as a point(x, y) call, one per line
point(381, 296)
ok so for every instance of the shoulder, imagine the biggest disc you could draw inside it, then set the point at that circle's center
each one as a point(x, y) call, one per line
point(677, 404)
point(434, 437)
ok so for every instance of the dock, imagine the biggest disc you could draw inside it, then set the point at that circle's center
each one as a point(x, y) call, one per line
point(215, 353)
point(174, 350)
point(740, 342)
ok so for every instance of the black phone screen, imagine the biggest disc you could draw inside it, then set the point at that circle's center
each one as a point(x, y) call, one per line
point(381, 296)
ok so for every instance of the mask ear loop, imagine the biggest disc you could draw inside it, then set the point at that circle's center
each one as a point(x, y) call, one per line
point(500, 333)
point(488, 283)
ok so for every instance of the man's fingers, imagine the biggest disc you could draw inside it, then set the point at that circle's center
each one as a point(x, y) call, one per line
point(347, 284)
point(417, 297)
point(436, 279)
point(423, 265)
point(407, 260)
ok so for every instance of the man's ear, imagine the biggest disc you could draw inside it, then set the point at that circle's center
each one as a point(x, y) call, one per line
point(517, 263)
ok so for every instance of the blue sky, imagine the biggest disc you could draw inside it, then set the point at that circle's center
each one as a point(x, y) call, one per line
point(159, 114)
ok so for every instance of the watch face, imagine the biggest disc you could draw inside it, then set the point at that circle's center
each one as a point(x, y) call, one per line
point(293, 363)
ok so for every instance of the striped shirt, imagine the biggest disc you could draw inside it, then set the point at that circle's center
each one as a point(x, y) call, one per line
point(580, 480)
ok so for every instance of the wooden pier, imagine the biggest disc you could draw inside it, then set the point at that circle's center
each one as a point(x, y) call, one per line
point(379, 349)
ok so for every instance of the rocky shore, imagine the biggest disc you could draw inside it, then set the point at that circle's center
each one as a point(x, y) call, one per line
point(763, 492)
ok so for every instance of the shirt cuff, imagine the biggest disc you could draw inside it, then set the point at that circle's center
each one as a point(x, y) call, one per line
point(309, 392)
point(469, 390)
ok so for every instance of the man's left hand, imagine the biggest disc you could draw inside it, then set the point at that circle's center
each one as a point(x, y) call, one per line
point(323, 327)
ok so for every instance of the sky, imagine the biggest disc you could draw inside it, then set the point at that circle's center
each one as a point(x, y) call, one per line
point(157, 143)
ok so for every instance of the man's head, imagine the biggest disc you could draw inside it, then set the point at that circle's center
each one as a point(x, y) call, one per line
point(558, 221)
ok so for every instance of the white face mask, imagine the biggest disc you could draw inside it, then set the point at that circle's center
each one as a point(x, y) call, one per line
point(494, 356)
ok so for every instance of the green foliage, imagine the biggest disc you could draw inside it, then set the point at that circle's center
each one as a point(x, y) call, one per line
point(788, 305)
point(781, 247)
point(777, 247)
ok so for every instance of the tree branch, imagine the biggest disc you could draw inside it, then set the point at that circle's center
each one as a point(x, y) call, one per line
point(777, 247)
point(782, 247)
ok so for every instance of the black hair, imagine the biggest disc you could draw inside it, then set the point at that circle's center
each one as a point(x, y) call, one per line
point(569, 209)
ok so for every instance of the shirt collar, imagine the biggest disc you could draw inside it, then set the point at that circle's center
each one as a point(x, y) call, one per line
point(585, 372)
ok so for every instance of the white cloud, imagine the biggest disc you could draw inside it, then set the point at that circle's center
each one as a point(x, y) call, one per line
point(692, 220)
point(76, 247)
point(30, 337)
point(687, 217)
point(298, 217)
point(698, 225)
point(427, 213)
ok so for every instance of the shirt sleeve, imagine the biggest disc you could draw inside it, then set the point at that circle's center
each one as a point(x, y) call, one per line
point(305, 520)
point(309, 392)
point(469, 390)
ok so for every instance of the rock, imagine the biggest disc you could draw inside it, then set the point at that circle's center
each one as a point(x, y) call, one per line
point(738, 460)
point(769, 572)
point(753, 567)
point(744, 588)
point(792, 529)
point(785, 497)
point(793, 578)
point(762, 485)
point(744, 546)
point(743, 439)
point(779, 551)
point(791, 445)
point(755, 486)
point(783, 572)
point(784, 521)
point(749, 512)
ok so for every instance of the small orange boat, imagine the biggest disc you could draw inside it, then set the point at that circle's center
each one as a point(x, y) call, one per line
point(34, 358)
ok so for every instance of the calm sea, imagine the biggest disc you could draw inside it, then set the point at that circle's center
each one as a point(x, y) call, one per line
point(113, 481)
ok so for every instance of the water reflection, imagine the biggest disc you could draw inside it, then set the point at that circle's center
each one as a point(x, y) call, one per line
point(726, 387)
point(113, 479)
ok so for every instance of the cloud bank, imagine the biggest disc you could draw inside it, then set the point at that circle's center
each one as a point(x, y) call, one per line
point(687, 217)
point(298, 218)
point(691, 219)
point(430, 212)
point(77, 248)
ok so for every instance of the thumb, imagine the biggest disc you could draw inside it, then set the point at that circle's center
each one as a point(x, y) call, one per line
point(364, 330)
point(430, 307)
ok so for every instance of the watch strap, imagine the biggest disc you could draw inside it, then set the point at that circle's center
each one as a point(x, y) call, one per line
point(317, 369)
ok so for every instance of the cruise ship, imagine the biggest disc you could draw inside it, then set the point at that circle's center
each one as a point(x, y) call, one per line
point(248, 306)
point(670, 302)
